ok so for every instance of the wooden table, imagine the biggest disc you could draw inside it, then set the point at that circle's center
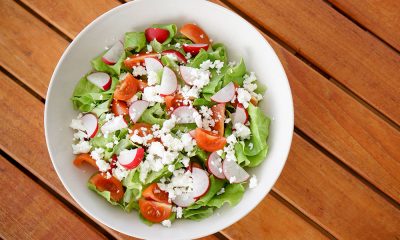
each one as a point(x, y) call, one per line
point(342, 178)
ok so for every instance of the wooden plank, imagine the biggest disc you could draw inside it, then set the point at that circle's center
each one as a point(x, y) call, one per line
point(28, 48)
point(83, 12)
point(25, 143)
point(379, 16)
point(336, 45)
point(24, 211)
point(337, 121)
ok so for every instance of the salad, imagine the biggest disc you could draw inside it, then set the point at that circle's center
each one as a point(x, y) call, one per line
point(169, 125)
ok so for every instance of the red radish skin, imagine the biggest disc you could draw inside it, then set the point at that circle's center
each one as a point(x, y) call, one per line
point(136, 109)
point(113, 54)
point(225, 94)
point(132, 158)
point(194, 49)
point(184, 114)
point(153, 64)
point(214, 164)
point(156, 33)
point(240, 115)
point(175, 53)
point(90, 123)
point(100, 79)
point(234, 172)
point(169, 83)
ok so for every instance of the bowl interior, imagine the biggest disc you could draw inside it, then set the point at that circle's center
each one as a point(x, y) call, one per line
point(241, 40)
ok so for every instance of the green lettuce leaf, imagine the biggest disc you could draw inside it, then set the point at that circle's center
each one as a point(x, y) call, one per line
point(218, 53)
point(104, 194)
point(153, 115)
point(156, 46)
point(170, 27)
point(198, 214)
point(202, 102)
point(259, 127)
point(232, 195)
point(215, 185)
point(199, 59)
point(235, 74)
point(134, 41)
point(100, 66)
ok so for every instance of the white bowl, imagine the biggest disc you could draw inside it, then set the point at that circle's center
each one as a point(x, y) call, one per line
point(222, 25)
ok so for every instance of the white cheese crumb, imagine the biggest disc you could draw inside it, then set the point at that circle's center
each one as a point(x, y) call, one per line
point(253, 182)
point(232, 179)
point(166, 223)
point(138, 71)
point(171, 168)
point(110, 145)
point(177, 45)
point(241, 131)
point(178, 212)
point(77, 124)
point(151, 94)
point(81, 147)
point(221, 191)
point(243, 97)
point(152, 78)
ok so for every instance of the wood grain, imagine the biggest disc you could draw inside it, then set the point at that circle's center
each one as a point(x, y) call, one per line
point(25, 143)
point(336, 45)
point(27, 211)
point(84, 12)
point(379, 16)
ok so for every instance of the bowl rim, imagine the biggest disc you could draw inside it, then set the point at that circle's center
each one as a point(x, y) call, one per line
point(284, 149)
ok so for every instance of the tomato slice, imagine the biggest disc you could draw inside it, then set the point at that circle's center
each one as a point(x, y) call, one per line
point(138, 59)
point(84, 157)
point(153, 192)
point(143, 130)
point(194, 33)
point(153, 211)
point(172, 102)
point(126, 89)
point(219, 118)
point(119, 108)
point(209, 141)
point(112, 185)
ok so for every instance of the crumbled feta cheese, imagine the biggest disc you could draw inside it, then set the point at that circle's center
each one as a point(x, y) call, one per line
point(137, 139)
point(113, 125)
point(227, 120)
point(178, 212)
point(221, 191)
point(138, 71)
point(206, 65)
point(97, 154)
point(151, 94)
point(110, 145)
point(241, 131)
point(108, 117)
point(120, 172)
point(232, 179)
point(171, 168)
point(188, 55)
point(231, 64)
point(231, 139)
point(188, 142)
point(80, 135)
point(77, 124)
point(103, 165)
point(185, 161)
point(156, 148)
point(253, 182)
point(169, 124)
point(173, 144)
point(152, 78)
point(243, 97)
point(180, 183)
point(218, 65)
point(177, 45)
point(81, 147)
point(219, 152)
point(166, 223)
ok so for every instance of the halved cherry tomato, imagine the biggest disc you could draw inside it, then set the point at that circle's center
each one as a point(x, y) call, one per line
point(194, 33)
point(126, 89)
point(173, 101)
point(153, 192)
point(138, 59)
point(111, 184)
point(143, 130)
point(119, 107)
point(84, 157)
point(254, 101)
point(142, 85)
point(154, 211)
point(219, 118)
point(209, 141)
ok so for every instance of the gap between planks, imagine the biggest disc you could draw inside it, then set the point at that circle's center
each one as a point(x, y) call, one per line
point(314, 67)
point(56, 195)
point(304, 136)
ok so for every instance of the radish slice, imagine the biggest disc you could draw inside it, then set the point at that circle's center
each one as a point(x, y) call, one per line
point(100, 79)
point(113, 54)
point(153, 64)
point(184, 114)
point(136, 109)
point(214, 165)
point(192, 133)
point(201, 182)
point(113, 125)
point(225, 94)
point(90, 123)
point(131, 158)
point(194, 49)
point(240, 116)
point(175, 54)
point(156, 33)
point(233, 172)
point(169, 83)
point(190, 74)
point(184, 200)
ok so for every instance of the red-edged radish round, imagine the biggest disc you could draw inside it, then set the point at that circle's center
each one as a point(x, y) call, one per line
point(190, 74)
point(179, 56)
point(233, 172)
point(240, 116)
point(169, 83)
point(184, 114)
point(100, 79)
point(136, 109)
point(201, 182)
point(156, 33)
point(131, 158)
point(90, 123)
point(184, 200)
point(194, 49)
point(214, 165)
point(153, 64)
point(193, 165)
point(225, 94)
point(113, 54)
point(192, 133)
point(114, 124)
